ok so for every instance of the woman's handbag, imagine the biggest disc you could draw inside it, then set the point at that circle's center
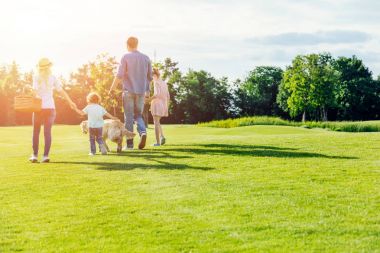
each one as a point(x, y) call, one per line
point(27, 103)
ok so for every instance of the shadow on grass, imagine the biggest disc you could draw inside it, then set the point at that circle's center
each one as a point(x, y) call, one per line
point(112, 166)
point(148, 154)
point(156, 159)
point(248, 150)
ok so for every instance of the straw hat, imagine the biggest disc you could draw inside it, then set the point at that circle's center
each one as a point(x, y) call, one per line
point(44, 63)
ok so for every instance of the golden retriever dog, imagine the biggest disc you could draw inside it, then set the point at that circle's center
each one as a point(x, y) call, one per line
point(113, 130)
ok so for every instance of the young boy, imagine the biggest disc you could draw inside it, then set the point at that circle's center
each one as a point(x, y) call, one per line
point(95, 113)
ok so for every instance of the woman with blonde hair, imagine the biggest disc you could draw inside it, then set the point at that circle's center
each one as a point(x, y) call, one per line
point(43, 85)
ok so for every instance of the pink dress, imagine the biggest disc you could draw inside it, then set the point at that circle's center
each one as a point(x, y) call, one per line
point(159, 105)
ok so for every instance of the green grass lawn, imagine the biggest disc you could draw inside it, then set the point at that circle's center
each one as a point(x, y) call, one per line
point(249, 189)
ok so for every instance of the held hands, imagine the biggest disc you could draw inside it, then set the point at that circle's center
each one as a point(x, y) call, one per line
point(149, 99)
point(75, 108)
point(73, 105)
point(112, 117)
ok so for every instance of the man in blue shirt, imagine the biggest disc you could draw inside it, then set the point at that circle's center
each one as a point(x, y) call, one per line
point(135, 74)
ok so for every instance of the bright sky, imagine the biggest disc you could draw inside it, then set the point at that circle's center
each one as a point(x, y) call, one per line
point(224, 37)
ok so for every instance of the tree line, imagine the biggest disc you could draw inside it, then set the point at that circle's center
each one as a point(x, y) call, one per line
point(314, 87)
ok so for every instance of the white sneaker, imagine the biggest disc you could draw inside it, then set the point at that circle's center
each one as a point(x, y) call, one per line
point(45, 159)
point(126, 148)
point(91, 154)
point(33, 159)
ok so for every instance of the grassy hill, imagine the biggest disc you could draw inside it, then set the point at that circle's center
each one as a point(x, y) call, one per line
point(245, 189)
point(340, 126)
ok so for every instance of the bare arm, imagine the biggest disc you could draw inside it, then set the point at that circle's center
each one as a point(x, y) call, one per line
point(116, 82)
point(81, 113)
point(121, 72)
point(110, 116)
point(33, 87)
point(68, 99)
point(155, 91)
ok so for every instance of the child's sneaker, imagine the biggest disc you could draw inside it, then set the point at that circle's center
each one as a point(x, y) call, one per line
point(103, 149)
point(91, 154)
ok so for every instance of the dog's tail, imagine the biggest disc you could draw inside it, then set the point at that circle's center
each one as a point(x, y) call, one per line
point(84, 126)
point(128, 134)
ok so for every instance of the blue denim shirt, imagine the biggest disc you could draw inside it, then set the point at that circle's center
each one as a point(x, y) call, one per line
point(135, 70)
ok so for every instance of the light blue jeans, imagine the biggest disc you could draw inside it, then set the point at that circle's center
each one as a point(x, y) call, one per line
point(133, 108)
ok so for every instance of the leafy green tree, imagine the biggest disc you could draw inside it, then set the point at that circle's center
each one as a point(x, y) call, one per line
point(377, 98)
point(323, 78)
point(3, 96)
point(11, 82)
point(308, 86)
point(357, 92)
point(297, 85)
point(203, 97)
point(102, 73)
point(96, 76)
point(256, 95)
point(283, 96)
point(235, 105)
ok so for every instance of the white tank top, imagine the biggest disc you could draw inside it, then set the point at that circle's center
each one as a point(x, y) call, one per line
point(45, 91)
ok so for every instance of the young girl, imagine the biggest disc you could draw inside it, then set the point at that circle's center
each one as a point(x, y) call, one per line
point(159, 106)
point(95, 113)
point(44, 83)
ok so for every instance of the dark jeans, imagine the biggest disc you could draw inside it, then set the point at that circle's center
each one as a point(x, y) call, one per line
point(133, 108)
point(96, 134)
point(45, 117)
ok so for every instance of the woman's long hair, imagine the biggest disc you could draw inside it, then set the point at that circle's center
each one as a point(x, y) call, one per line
point(43, 77)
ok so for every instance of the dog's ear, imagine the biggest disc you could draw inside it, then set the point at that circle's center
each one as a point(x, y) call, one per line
point(128, 134)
